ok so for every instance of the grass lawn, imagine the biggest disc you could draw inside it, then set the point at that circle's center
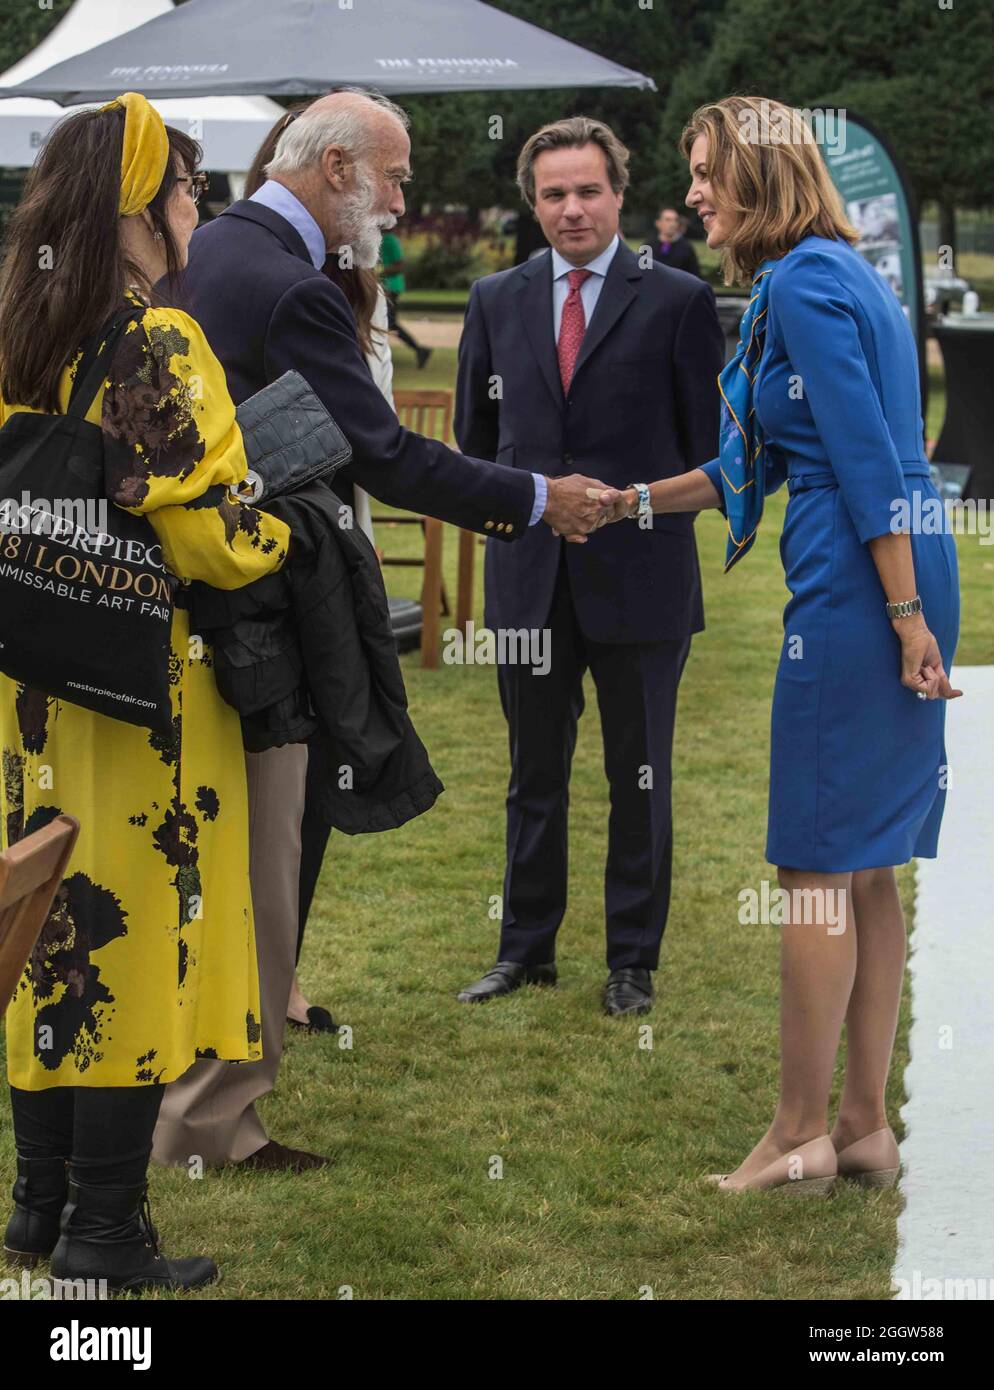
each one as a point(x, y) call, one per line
point(435, 301)
point(599, 1130)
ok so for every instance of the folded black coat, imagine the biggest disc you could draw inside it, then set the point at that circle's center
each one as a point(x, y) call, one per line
point(308, 655)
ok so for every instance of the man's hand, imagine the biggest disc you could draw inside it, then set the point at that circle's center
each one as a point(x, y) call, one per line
point(573, 507)
point(617, 504)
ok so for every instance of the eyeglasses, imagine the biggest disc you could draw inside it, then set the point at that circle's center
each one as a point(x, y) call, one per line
point(199, 183)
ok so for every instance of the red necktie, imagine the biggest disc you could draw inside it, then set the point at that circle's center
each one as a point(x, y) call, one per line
point(572, 327)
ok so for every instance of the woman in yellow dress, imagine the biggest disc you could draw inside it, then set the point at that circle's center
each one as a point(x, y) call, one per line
point(147, 959)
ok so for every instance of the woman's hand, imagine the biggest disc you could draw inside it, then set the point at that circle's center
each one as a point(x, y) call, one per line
point(686, 492)
point(615, 504)
point(618, 504)
point(921, 661)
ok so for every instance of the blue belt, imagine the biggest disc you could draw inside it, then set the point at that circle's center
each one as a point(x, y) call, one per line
point(802, 482)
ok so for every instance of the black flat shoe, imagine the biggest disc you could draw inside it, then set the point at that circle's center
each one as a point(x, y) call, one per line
point(505, 978)
point(318, 1021)
point(628, 991)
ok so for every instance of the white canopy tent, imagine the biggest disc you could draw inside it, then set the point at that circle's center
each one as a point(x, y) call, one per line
point(230, 128)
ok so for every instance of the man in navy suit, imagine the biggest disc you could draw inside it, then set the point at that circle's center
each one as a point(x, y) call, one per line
point(606, 362)
point(255, 284)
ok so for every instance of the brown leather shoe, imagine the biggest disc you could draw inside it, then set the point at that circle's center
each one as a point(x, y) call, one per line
point(273, 1157)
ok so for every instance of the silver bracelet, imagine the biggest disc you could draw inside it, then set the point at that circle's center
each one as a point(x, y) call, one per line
point(907, 608)
point(644, 507)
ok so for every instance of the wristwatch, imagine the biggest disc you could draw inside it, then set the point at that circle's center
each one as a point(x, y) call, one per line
point(644, 507)
point(907, 608)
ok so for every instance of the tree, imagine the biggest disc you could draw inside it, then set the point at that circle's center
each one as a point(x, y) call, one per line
point(463, 155)
point(922, 71)
point(23, 26)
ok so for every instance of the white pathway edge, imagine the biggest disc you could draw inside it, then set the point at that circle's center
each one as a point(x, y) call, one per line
point(946, 1228)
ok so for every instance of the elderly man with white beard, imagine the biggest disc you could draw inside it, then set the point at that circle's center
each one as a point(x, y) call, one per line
point(256, 284)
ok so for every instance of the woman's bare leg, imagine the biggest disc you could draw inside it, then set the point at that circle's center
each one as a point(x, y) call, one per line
point(817, 970)
point(871, 1021)
point(298, 1005)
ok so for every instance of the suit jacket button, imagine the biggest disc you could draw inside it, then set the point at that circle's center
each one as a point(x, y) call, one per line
point(568, 460)
point(487, 525)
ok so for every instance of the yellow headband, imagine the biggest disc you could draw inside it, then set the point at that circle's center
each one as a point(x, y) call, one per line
point(145, 156)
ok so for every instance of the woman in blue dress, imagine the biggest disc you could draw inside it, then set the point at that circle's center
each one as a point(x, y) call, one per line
point(823, 395)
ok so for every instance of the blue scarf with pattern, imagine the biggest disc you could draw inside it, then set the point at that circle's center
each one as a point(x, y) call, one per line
point(742, 452)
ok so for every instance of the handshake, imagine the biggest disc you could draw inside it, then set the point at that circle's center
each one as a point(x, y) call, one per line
point(577, 505)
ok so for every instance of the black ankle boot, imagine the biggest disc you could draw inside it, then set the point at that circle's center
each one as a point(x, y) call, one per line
point(39, 1196)
point(107, 1233)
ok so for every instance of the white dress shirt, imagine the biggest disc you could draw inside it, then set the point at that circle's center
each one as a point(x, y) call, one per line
point(590, 290)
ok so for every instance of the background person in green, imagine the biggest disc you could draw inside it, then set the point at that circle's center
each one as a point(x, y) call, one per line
point(392, 256)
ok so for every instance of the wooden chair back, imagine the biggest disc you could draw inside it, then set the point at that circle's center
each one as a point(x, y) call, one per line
point(430, 413)
point(426, 412)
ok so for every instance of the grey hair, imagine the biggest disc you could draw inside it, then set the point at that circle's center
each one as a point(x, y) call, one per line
point(308, 135)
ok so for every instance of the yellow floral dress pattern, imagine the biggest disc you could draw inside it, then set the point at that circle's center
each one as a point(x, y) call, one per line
point(147, 960)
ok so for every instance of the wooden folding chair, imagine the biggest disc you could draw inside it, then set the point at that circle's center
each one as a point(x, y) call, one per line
point(30, 873)
point(430, 413)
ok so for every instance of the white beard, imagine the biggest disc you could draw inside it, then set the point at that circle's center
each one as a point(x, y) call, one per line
point(359, 228)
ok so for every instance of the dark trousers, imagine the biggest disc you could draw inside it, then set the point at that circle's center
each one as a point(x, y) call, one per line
point(636, 687)
point(393, 304)
point(105, 1130)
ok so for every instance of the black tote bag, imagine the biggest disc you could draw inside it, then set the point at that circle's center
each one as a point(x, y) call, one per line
point(86, 602)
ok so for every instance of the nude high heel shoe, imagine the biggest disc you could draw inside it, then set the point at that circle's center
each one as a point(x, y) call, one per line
point(873, 1161)
point(809, 1170)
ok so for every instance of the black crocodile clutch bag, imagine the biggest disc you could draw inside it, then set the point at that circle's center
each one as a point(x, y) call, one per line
point(290, 439)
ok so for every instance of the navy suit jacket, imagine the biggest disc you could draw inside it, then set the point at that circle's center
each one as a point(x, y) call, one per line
point(265, 309)
point(643, 404)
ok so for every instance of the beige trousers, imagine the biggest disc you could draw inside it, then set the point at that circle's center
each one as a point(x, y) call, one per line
point(209, 1112)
